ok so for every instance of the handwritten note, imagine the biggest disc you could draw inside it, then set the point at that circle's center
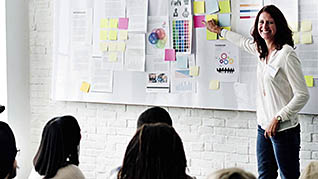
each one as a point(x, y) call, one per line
point(214, 84)
point(170, 55)
point(85, 87)
point(198, 7)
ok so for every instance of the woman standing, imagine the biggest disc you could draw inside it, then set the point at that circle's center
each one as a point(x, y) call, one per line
point(281, 91)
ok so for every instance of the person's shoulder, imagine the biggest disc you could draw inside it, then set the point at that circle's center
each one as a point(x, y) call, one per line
point(287, 49)
point(69, 172)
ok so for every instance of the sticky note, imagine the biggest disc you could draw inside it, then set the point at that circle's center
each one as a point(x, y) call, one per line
point(123, 35)
point(113, 23)
point(123, 23)
point(305, 26)
point(103, 35)
point(112, 47)
point(170, 55)
point(227, 28)
point(224, 20)
point(296, 37)
point(194, 71)
point(293, 26)
point(103, 46)
point(306, 38)
point(211, 35)
point(225, 6)
point(309, 81)
point(214, 84)
point(112, 35)
point(112, 57)
point(212, 6)
point(198, 21)
point(104, 23)
point(198, 7)
point(85, 87)
point(182, 62)
point(121, 46)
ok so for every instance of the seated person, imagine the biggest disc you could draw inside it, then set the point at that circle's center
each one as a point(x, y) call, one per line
point(156, 151)
point(57, 156)
point(152, 115)
point(231, 173)
point(8, 152)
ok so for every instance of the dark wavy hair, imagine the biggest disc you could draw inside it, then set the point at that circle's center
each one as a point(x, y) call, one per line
point(155, 152)
point(59, 146)
point(154, 115)
point(283, 34)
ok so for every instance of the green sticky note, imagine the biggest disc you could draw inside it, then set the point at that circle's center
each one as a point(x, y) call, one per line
point(123, 35)
point(113, 23)
point(194, 71)
point(214, 84)
point(225, 6)
point(305, 26)
point(112, 57)
point(211, 35)
point(104, 23)
point(309, 81)
point(103, 35)
point(306, 38)
point(113, 35)
point(198, 7)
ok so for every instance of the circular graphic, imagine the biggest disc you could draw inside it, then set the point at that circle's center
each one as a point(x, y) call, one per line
point(231, 61)
point(160, 33)
point(153, 38)
point(223, 55)
point(158, 38)
point(221, 61)
point(226, 62)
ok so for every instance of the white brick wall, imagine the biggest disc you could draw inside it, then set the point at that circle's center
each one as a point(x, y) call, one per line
point(212, 139)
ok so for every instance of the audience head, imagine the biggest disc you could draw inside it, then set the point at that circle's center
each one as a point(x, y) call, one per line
point(154, 115)
point(8, 152)
point(231, 173)
point(59, 146)
point(156, 152)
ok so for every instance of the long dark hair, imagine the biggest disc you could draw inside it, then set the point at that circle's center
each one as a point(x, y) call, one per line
point(283, 34)
point(155, 152)
point(59, 146)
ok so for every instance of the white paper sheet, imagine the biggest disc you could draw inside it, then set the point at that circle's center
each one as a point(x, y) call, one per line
point(101, 78)
point(135, 54)
point(81, 26)
point(137, 11)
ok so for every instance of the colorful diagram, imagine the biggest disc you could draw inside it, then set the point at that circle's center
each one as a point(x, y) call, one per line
point(158, 38)
point(225, 63)
point(181, 35)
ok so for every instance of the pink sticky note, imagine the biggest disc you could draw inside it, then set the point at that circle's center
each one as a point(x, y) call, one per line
point(170, 55)
point(123, 23)
point(198, 21)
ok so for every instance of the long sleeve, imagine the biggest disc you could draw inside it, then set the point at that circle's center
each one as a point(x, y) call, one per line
point(245, 43)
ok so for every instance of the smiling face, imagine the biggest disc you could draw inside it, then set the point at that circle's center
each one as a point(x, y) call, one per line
point(266, 27)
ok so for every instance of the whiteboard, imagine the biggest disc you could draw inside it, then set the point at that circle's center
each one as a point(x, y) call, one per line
point(130, 87)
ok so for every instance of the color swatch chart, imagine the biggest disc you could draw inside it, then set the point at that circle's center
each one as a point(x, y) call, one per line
point(181, 36)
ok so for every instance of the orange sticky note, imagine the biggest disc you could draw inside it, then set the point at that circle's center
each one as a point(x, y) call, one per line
point(85, 87)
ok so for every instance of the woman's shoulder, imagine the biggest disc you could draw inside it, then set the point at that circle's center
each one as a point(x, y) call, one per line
point(69, 172)
point(287, 49)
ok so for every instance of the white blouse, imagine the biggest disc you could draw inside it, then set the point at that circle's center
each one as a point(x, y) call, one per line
point(68, 172)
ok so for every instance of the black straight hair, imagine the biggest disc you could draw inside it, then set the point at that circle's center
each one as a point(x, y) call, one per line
point(59, 146)
point(154, 115)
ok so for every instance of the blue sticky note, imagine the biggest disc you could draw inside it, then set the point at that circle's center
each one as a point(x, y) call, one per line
point(212, 6)
point(224, 20)
point(182, 62)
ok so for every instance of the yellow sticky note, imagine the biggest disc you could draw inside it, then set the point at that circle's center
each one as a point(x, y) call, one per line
point(103, 46)
point(293, 26)
point(112, 47)
point(227, 28)
point(85, 87)
point(296, 37)
point(123, 35)
point(198, 7)
point(225, 6)
point(104, 23)
point(103, 35)
point(306, 38)
point(194, 71)
point(305, 26)
point(309, 81)
point(211, 35)
point(214, 84)
point(121, 46)
point(113, 35)
point(113, 23)
point(112, 57)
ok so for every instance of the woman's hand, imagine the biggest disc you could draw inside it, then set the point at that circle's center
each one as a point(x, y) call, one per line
point(272, 128)
point(212, 26)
